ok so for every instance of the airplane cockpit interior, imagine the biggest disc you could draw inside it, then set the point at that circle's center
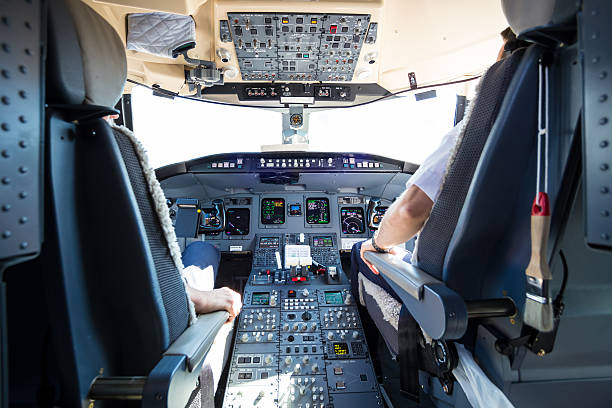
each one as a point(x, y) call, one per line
point(305, 204)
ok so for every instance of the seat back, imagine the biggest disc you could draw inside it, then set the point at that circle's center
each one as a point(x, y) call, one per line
point(117, 296)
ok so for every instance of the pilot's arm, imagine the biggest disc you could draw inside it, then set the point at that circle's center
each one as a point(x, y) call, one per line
point(206, 301)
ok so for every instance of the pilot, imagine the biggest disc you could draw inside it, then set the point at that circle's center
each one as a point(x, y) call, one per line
point(407, 215)
point(201, 264)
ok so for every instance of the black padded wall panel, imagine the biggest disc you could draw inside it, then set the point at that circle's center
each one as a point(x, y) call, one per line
point(20, 128)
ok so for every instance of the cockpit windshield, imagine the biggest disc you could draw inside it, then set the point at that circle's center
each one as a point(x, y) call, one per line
point(400, 127)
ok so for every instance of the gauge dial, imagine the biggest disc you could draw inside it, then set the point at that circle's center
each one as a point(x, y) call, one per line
point(352, 220)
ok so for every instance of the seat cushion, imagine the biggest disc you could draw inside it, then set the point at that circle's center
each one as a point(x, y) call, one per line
point(383, 309)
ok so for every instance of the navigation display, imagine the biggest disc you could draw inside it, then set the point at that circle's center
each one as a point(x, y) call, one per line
point(322, 242)
point(273, 211)
point(352, 220)
point(317, 210)
point(237, 221)
point(269, 242)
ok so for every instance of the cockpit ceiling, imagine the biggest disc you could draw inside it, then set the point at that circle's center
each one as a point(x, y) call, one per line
point(437, 40)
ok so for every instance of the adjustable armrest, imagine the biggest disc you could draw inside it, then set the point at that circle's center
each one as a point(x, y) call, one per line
point(440, 311)
point(195, 342)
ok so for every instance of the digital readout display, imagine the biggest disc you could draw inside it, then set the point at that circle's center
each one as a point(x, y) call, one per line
point(322, 242)
point(260, 298)
point(341, 349)
point(333, 298)
point(317, 211)
point(273, 211)
point(269, 242)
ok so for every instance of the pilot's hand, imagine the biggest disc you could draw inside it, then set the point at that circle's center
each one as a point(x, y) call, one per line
point(216, 299)
point(367, 246)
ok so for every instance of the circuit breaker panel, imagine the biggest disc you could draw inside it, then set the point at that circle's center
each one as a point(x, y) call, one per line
point(298, 47)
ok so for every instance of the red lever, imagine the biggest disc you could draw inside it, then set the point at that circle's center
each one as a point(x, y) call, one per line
point(541, 205)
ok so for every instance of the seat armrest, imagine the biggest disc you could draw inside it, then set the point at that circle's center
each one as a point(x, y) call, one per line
point(407, 276)
point(195, 342)
point(439, 310)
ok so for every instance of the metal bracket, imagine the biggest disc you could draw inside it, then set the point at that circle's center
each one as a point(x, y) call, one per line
point(295, 125)
point(595, 35)
point(205, 74)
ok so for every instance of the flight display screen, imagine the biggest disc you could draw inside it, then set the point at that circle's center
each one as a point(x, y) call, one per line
point(341, 349)
point(333, 298)
point(317, 211)
point(260, 298)
point(273, 211)
point(322, 242)
point(237, 221)
point(352, 220)
point(269, 242)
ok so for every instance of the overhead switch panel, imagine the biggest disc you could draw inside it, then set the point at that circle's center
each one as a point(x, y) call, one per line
point(298, 47)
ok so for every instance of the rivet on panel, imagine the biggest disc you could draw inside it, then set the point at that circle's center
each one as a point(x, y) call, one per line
point(604, 190)
point(23, 169)
point(603, 144)
point(604, 167)
point(6, 181)
point(603, 98)
point(603, 121)
point(595, 60)
point(23, 220)
point(27, 25)
point(6, 234)
point(6, 207)
point(23, 94)
point(27, 51)
point(5, 47)
point(23, 144)
point(6, 74)
point(605, 213)
point(4, 20)
point(594, 36)
point(22, 119)
point(23, 69)
point(5, 100)
point(23, 194)
point(6, 154)
point(603, 75)
point(5, 127)
point(605, 236)
point(23, 245)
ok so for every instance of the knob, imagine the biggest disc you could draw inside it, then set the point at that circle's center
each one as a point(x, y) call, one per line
point(348, 299)
point(285, 327)
point(244, 338)
point(258, 337)
point(313, 326)
point(314, 397)
point(270, 336)
point(305, 292)
point(304, 327)
point(355, 334)
point(339, 314)
point(297, 368)
point(315, 368)
point(273, 301)
point(305, 359)
point(330, 335)
point(302, 390)
point(268, 359)
point(262, 394)
point(262, 160)
point(260, 316)
point(288, 360)
point(295, 326)
point(342, 336)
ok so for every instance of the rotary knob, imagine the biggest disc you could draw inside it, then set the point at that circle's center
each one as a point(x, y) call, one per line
point(268, 359)
point(348, 299)
point(295, 326)
point(315, 368)
point(273, 301)
point(285, 327)
point(288, 360)
point(270, 336)
point(258, 337)
point(297, 369)
point(259, 316)
point(330, 335)
point(355, 334)
point(305, 359)
point(305, 292)
point(302, 390)
point(313, 326)
point(244, 338)
point(304, 327)
point(342, 336)
point(339, 314)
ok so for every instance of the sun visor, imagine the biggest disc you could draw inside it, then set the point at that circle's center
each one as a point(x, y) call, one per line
point(161, 34)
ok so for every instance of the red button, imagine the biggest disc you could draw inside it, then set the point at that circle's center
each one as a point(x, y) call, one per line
point(333, 29)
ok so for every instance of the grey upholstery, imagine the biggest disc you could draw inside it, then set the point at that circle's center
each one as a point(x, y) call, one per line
point(523, 17)
point(87, 61)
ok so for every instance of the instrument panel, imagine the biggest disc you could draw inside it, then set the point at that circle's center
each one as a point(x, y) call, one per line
point(237, 221)
point(317, 210)
point(352, 220)
point(273, 211)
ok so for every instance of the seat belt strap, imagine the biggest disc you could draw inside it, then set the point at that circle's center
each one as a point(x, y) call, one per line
point(207, 386)
point(408, 331)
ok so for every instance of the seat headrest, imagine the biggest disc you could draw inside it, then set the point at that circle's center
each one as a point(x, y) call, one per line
point(86, 61)
point(526, 15)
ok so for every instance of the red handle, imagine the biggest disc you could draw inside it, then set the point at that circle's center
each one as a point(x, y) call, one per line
point(540, 205)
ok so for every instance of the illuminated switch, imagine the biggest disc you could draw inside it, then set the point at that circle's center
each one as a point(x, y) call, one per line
point(340, 385)
point(333, 29)
point(338, 371)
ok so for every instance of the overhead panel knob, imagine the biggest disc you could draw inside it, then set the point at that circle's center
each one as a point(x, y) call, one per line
point(244, 338)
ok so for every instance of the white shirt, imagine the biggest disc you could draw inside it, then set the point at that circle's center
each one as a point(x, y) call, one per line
point(430, 174)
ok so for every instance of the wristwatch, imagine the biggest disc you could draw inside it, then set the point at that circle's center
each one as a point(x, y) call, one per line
point(379, 249)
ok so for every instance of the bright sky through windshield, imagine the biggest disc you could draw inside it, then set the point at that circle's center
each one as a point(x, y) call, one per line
point(399, 128)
